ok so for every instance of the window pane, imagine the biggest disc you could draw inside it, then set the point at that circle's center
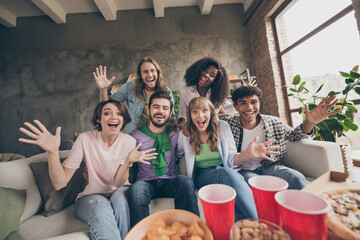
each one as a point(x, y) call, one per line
point(303, 16)
point(319, 59)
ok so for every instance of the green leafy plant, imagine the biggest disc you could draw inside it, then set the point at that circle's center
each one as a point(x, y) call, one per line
point(176, 95)
point(336, 125)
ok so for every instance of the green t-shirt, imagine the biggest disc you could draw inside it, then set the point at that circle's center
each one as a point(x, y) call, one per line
point(207, 158)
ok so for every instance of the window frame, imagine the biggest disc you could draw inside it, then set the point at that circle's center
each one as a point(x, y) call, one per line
point(307, 36)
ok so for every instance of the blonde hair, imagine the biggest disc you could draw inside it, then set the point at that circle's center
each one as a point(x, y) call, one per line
point(212, 141)
point(140, 85)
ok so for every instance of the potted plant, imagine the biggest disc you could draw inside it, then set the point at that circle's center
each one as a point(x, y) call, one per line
point(337, 125)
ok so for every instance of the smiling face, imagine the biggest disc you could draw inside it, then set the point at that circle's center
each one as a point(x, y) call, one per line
point(201, 116)
point(248, 108)
point(111, 119)
point(149, 75)
point(160, 112)
point(207, 77)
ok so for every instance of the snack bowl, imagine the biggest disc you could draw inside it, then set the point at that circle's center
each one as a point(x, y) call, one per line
point(251, 228)
point(169, 216)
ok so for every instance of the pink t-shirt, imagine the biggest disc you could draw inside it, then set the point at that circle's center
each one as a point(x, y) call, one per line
point(102, 161)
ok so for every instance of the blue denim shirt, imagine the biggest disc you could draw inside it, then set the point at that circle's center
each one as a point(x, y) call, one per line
point(135, 105)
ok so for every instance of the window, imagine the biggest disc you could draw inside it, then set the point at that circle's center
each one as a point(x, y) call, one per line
point(317, 39)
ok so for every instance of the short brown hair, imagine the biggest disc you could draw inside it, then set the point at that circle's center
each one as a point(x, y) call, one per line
point(98, 109)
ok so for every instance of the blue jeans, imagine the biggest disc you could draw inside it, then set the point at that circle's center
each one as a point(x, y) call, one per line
point(295, 179)
point(181, 188)
point(106, 218)
point(244, 200)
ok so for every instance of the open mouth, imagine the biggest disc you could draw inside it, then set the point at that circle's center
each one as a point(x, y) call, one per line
point(249, 114)
point(202, 80)
point(150, 80)
point(113, 125)
point(201, 124)
point(159, 116)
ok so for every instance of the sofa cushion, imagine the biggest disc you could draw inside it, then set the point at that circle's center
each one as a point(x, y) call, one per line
point(53, 200)
point(18, 175)
point(11, 208)
point(41, 227)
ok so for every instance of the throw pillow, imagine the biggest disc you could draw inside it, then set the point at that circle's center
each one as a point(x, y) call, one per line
point(11, 208)
point(54, 200)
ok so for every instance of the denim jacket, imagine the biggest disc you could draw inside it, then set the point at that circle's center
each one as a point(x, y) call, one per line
point(135, 105)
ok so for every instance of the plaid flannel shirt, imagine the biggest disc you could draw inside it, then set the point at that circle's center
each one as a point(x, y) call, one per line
point(274, 129)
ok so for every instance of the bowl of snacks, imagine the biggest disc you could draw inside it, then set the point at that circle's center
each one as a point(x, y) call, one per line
point(170, 224)
point(257, 229)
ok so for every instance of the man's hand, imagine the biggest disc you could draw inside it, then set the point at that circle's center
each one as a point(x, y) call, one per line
point(43, 138)
point(101, 79)
point(261, 150)
point(321, 111)
point(141, 156)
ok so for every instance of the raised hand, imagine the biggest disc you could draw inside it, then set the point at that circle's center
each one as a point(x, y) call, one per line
point(101, 79)
point(251, 82)
point(141, 156)
point(261, 150)
point(321, 111)
point(43, 138)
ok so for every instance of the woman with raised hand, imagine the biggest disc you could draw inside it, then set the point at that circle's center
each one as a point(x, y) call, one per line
point(211, 154)
point(108, 154)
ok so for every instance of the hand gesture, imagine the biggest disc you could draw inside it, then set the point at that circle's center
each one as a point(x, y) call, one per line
point(251, 82)
point(101, 79)
point(261, 150)
point(43, 138)
point(141, 156)
point(321, 111)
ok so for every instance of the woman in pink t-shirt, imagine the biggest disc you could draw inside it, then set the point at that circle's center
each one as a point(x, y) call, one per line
point(108, 154)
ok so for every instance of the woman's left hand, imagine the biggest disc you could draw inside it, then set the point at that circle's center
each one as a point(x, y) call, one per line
point(141, 156)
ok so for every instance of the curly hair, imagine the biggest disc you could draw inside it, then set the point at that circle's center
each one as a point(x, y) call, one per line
point(98, 109)
point(220, 88)
point(201, 103)
point(245, 91)
point(140, 85)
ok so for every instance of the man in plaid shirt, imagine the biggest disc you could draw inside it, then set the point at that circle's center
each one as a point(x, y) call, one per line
point(250, 127)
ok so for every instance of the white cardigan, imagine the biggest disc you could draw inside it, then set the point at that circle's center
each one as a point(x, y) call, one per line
point(226, 147)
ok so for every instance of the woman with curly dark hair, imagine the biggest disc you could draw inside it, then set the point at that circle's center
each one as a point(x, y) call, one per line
point(206, 77)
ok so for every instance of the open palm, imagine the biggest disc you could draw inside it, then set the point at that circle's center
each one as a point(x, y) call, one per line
point(42, 137)
point(141, 156)
point(321, 111)
point(100, 77)
point(261, 150)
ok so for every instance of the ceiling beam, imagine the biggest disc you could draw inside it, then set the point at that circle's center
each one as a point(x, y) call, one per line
point(247, 4)
point(7, 18)
point(159, 8)
point(205, 6)
point(107, 8)
point(52, 9)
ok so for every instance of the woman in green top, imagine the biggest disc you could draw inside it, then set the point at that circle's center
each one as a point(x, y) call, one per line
point(210, 153)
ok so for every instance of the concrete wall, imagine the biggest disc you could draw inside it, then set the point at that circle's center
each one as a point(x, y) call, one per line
point(46, 68)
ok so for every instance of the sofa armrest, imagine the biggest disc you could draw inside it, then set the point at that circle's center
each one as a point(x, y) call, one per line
point(313, 158)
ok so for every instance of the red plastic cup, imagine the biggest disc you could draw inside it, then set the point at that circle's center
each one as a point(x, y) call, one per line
point(218, 202)
point(303, 215)
point(264, 189)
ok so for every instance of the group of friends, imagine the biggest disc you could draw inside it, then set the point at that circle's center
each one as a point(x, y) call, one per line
point(228, 151)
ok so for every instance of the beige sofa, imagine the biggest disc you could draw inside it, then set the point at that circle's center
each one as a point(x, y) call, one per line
point(312, 158)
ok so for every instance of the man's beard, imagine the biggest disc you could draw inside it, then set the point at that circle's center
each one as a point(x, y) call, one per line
point(156, 124)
